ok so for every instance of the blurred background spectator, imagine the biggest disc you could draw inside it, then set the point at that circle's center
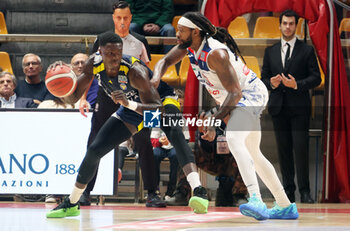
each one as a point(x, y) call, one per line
point(8, 97)
point(153, 18)
point(32, 86)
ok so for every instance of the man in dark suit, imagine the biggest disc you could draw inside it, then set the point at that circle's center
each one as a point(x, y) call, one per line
point(289, 71)
point(8, 98)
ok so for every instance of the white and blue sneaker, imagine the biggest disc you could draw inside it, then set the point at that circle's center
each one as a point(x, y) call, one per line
point(255, 208)
point(290, 212)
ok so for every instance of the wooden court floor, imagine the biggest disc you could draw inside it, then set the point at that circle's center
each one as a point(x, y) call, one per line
point(31, 216)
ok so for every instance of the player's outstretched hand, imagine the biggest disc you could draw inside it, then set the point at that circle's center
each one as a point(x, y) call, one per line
point(209, 132)
point(83, 107)
point(55, 64)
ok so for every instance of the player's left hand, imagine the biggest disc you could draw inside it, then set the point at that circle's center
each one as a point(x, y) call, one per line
point(83, 107)
point(55, 64)
point(289, 81)
point(118, 96)
point(209, 132)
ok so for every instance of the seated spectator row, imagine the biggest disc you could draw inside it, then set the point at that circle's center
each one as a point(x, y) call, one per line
point(266, 27)
point(171, 76)
point(179, 80)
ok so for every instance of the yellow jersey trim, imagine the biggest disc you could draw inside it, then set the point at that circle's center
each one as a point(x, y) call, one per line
point(124, 69)
point(99, 68)
point(133, 59)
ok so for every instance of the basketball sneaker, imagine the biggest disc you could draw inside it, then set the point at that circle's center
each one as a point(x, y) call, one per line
point(65, 209)
point(199, 201)
point(290, 212)
point(255, 208)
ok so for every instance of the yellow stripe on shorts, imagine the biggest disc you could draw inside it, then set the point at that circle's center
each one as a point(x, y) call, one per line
point(166, 101)
point(140, 126)
point(172, 101)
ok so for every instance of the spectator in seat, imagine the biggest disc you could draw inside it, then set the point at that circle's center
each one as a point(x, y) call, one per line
point(8, 97)
point(126, 149)
point(153, 18)
point(77, 63)
point(162, 149)
point(32, 86)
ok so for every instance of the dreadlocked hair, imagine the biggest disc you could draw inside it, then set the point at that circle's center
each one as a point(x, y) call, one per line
point(209, 30)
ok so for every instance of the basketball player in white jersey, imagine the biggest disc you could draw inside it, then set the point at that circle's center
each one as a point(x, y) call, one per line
point(216, 61)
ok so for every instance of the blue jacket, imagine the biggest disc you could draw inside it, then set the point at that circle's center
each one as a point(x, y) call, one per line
point(21, 102)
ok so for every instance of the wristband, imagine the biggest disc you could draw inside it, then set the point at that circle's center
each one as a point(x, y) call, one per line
point(132, 105)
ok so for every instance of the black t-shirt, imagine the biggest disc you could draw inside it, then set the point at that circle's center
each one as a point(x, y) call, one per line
point(34, 91)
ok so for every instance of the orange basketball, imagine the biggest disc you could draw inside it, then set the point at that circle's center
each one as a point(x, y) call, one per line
point(61, 81)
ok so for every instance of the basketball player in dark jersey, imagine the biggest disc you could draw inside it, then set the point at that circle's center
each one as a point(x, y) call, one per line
point(135, 45)
point(127, 82)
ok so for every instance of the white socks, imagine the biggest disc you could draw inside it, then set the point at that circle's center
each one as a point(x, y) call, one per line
point(193, 180)
point(76, 194)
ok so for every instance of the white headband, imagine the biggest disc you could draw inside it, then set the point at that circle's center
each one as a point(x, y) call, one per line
point(187, 23)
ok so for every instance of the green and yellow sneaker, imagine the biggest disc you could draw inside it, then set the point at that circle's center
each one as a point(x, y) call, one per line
point(199, 202)
point(65, 209)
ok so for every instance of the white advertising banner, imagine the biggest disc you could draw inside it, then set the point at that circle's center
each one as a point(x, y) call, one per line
point(40, 153)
